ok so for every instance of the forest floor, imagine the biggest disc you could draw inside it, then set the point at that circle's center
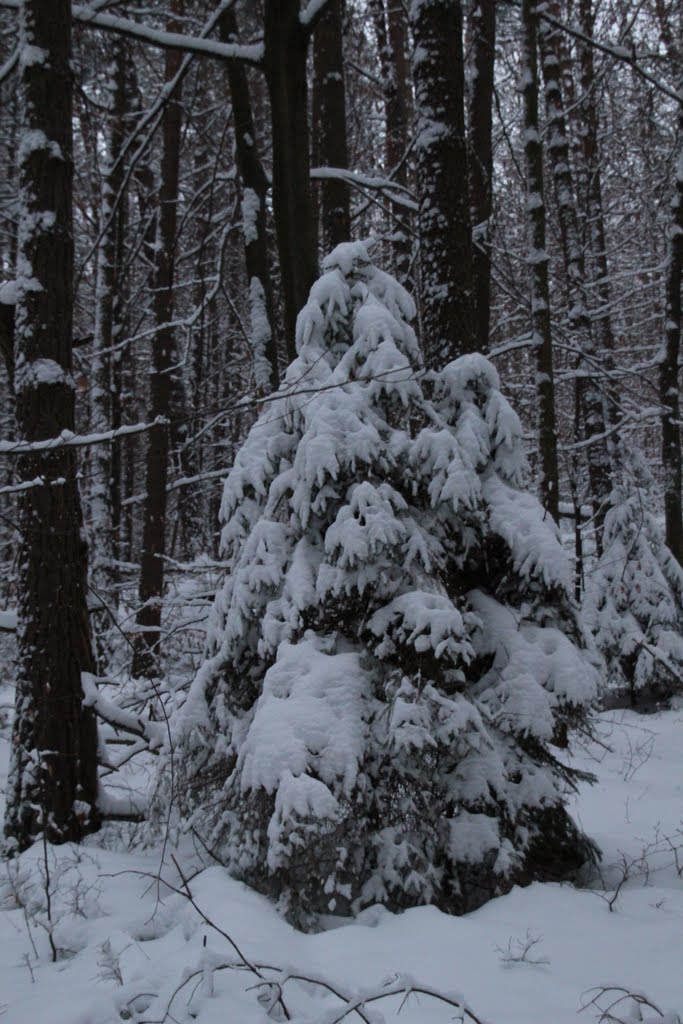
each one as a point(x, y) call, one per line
point(130, 948)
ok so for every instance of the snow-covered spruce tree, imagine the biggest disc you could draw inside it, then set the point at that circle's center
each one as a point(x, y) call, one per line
point(394, 646)
point(634, 601)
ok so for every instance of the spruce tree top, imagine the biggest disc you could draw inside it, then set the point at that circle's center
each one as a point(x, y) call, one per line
point(394, 645)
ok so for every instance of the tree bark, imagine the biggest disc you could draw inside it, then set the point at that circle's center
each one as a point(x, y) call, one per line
point(591, 395)
point(538, 264)
point(669, 368)
point(7, 341)
point(53, 780)
point(483, 27)
point(148, 620)
point(447, 298)
point(286, 50)
point(391, 33)
point(105, 401)
point(669, 390)
point(597, 270)
point(329, 124)
point(254, 185)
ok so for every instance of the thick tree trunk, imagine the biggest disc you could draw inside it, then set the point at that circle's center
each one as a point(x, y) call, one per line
point(447, 298)
point(286, 49)
point(669, 390)
point(391, 33)
point(483, 30)
point(591, 395)
point(53, 776)
point(154, 530)
point(254, 185)
point(538, 264)
point(329, 125)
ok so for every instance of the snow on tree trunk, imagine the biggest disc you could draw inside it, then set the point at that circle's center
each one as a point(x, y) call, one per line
point(483, 30)
point(590, 170)
point(329, 119)
point(590, 393)
point(107, 329)
point(669, 390)
point(285, 64)
point(52, 785)
point(538, 264)
point(447, 296)
point(394, 647)
point(254, 185)
point(151, 586)
point(391, 33)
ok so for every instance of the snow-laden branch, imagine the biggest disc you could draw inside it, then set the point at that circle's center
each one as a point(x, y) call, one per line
point(28, 485)
point(153, 733)
point(115, 807)
point(68, 439)
point(651, 413)
point(250, 53)
point(313, 12)
point(8, 67)
point(399, 194)
point(187, 481)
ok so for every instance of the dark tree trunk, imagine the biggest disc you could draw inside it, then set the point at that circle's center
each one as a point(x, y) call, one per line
point(254, 184)
point(538, 265)
point(161, 386)
point(591, 396)
point(483, 29)
point(597, 270)
point(119, 361)
point(286, 49)
point(669, 391)
point(105, 493)
point(53, 782)
point(447, 298)
point(669, 368)
point(7, 341)
point(391, 32)
point(329, 125)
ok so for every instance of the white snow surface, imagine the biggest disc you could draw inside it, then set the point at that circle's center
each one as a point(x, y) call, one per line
point(8, 293)
point(111, 915)
point(306, 718)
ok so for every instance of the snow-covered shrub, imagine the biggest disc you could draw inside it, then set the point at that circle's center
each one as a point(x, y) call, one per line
point(634, 601)
point(394, 647)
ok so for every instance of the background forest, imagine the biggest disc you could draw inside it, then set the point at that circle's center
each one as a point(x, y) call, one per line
point(341, 501)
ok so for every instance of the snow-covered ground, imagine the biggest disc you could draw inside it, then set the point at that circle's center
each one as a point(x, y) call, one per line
point(126, 942)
